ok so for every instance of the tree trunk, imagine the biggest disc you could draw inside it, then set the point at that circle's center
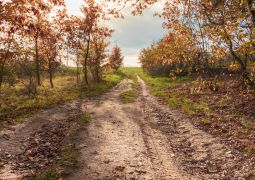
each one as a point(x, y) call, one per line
point(97, 74)
point(67, 57)
point(1, 80)
point(86, 61)
point(51, 75)
point(3, 63)
point(51, 80)
point(97, 67)
point(37, 62)
point(244, 74)
point(204, 52)
point(77, 73)
point(1, 75)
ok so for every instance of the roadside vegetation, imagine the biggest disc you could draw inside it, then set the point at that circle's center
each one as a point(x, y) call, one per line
point(131, 94)
point(223, 112)
point(16, 104)
point(204, 66)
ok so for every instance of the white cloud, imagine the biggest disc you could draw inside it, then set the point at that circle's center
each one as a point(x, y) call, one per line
point(131, 33)
point(136, 32)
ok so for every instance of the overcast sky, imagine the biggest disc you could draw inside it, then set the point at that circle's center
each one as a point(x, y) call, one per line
point(131, 33)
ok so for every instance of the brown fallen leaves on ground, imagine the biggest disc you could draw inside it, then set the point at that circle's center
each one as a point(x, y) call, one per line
point(232, 112)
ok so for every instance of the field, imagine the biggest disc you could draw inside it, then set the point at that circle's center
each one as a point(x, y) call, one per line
point(16, 104)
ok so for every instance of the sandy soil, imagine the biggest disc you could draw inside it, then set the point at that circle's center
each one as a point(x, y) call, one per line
point(40, 138)
point(119, 143)
point(140, 140)
point(146, 140)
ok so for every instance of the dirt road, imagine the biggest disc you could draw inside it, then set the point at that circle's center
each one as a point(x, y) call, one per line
point(146, 140)
point(141, 140)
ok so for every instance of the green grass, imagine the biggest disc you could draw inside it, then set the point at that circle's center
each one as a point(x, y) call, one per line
point(161, 86)
point(225, 101)
point(50, 174)
point(15, 104)
point(187, 106)
point(205, 121)
point(250, 150)
point(85, 118)
point(130, 95)
point(131, 71)
point(247, 126)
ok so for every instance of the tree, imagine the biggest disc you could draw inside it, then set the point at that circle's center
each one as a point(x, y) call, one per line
point(98, 56)
point(236, 32)
point(10, 25)
point(37, 12)
point(89, 26)
point(216, 27)
point(71, 32)
point(51, 40)
point(116, 58)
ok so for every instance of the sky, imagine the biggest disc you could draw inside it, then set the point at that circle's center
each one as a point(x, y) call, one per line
point(131, 33)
